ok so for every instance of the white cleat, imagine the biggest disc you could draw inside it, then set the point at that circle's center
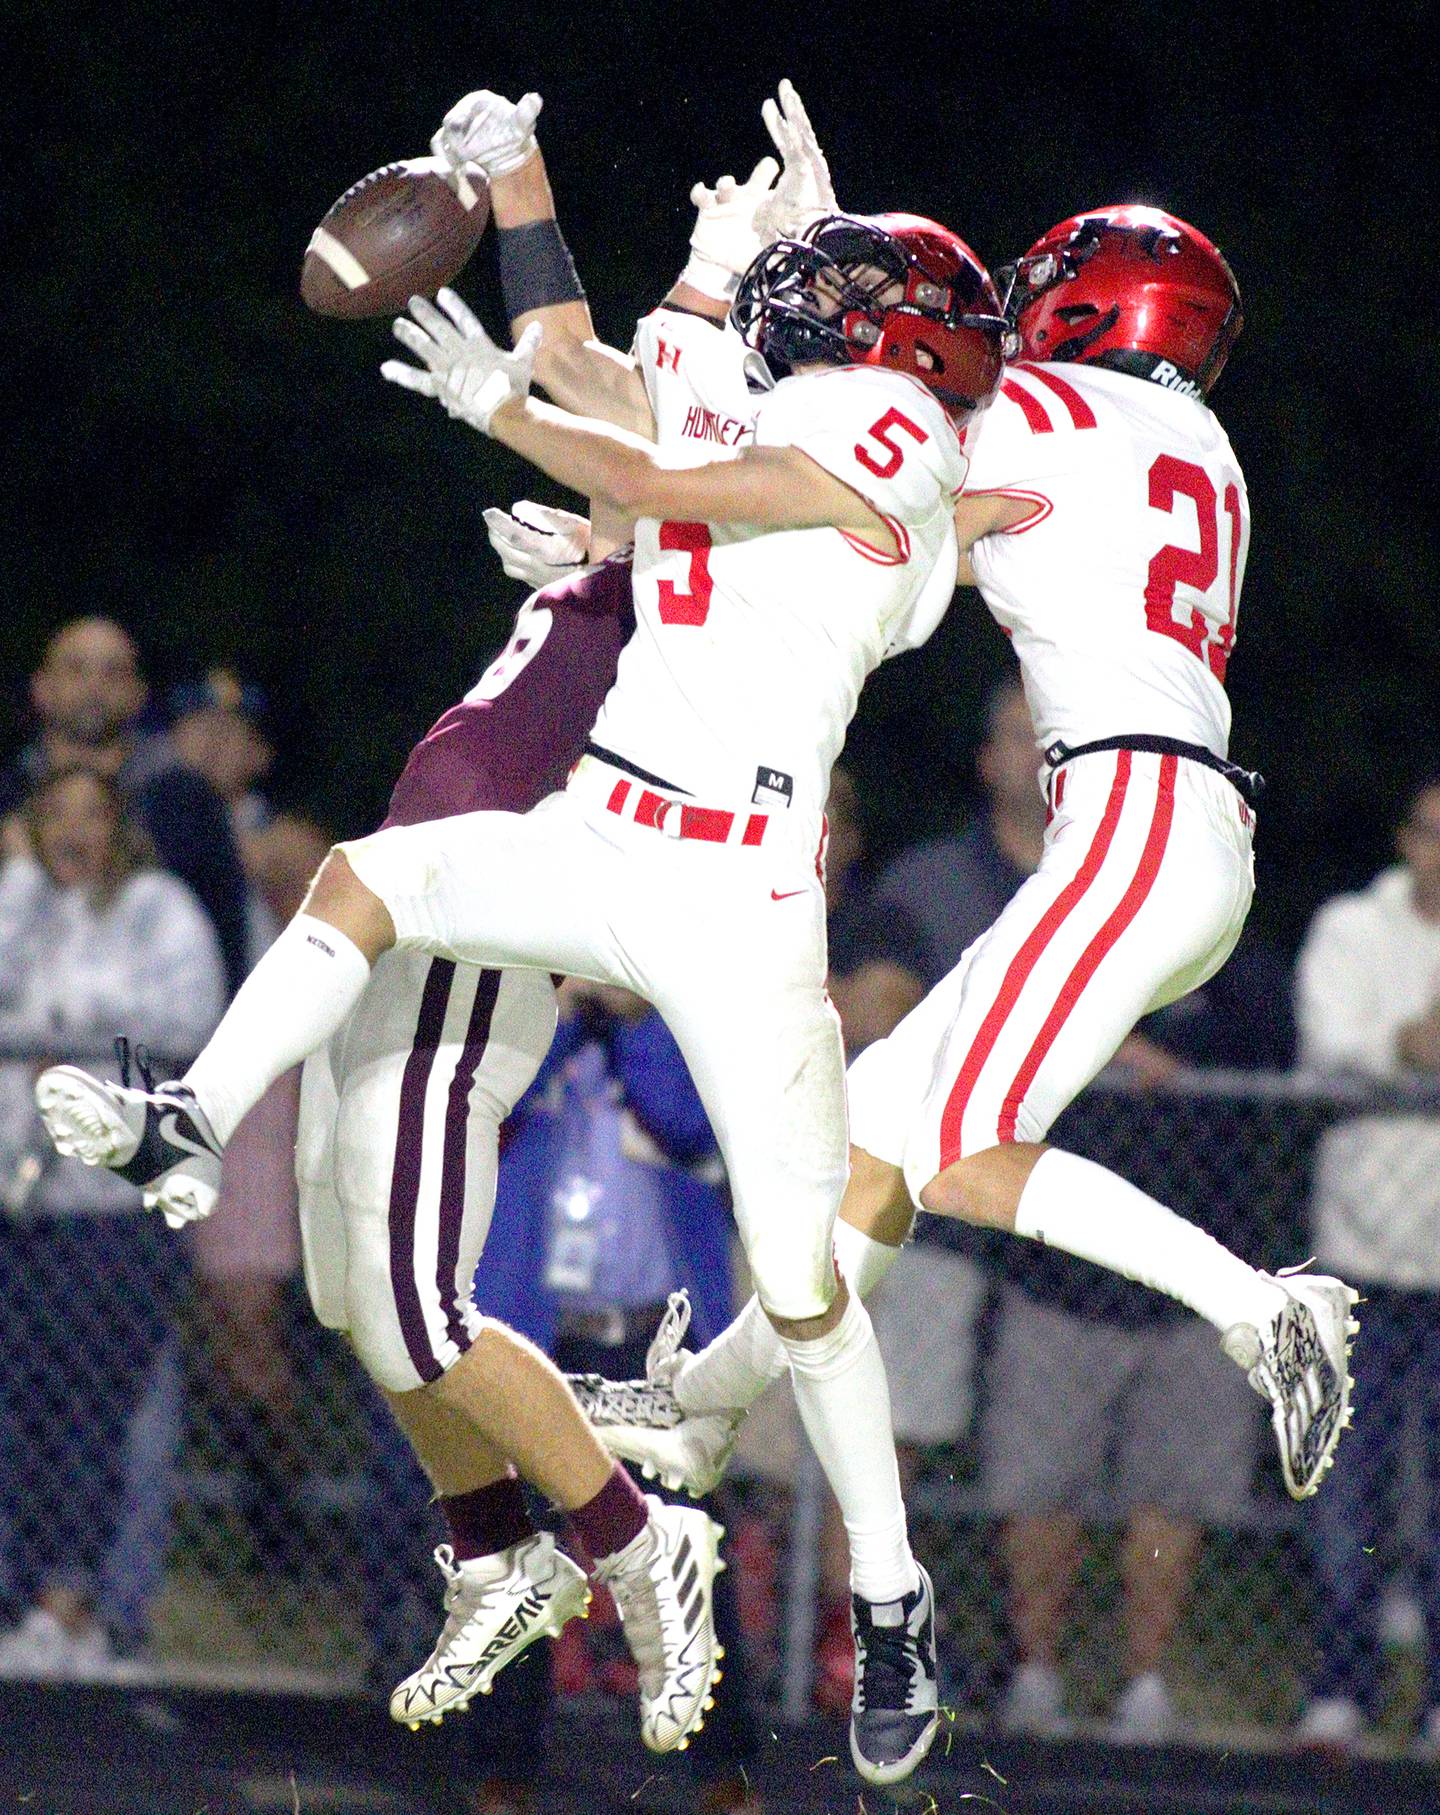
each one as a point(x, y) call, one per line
point(641, 1421)
point(663, 1583)
point(1300, 1363)
point(645, 1425)
point(157, 1138)
point(495, 1607)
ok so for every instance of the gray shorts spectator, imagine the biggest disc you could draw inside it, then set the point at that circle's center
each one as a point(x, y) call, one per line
point(1131, 1439)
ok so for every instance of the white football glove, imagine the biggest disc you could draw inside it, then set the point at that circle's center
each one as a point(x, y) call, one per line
point(487, 129)
point(804, 190)
point(724, 243)
point(464, 369)
point(537, 543)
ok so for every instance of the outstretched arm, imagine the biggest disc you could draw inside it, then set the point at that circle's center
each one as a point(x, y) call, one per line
point(734, 221)
point(769, 487)
point(483, 385)
point(537, 273)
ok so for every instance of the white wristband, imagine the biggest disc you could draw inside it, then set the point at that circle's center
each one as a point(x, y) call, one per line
point(710, 279)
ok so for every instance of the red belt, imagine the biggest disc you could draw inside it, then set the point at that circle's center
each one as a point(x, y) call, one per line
point(676, 819)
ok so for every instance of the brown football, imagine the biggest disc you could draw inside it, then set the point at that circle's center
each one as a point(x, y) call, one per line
point(400, 232)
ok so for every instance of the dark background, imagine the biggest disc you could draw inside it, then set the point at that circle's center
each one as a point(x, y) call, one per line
point(196, 455)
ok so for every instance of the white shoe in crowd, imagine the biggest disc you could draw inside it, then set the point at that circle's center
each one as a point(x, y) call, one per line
point(1145, 1715)
point(495, 1607)
point(1035, 1703)
point(1331, 1723)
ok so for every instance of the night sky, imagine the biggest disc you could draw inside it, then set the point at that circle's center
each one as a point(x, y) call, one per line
point(229, 476)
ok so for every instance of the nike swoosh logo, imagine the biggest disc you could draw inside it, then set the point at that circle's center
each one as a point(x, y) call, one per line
point(170, 1132)
point(788, 893)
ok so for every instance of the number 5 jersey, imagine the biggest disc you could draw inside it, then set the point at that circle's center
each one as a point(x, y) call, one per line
point(752, 644)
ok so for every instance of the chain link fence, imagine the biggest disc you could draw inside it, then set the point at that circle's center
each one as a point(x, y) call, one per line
point(1105, 1503)
point(1110, 1506)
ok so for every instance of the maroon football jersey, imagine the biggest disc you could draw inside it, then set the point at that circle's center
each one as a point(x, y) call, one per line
point(516, 735)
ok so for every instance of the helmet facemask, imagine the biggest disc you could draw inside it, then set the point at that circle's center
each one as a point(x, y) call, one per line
point(851, 293)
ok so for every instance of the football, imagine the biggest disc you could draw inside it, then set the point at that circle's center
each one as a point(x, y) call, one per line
point(402, 231)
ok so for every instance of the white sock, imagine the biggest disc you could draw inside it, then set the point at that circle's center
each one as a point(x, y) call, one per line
point(844, 1405)
point(1076, 1205)
point(862, 1259)
point(299, 994)
point(734, 1370)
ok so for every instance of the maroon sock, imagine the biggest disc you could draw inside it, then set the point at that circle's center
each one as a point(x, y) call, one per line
point(615, 1516)
point(487, 1519)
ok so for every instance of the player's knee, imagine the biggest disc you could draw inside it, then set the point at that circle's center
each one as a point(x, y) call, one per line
point(794, 1281)
point(378, 1339)
point(984, 1187)
point(340, 897)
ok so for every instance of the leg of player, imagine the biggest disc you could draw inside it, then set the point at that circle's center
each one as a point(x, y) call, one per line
point(170, 1140)
point(397, 1159)
point(1290, 1334)
point(507, 1585)
point(768, 1063)
point(680, 1423)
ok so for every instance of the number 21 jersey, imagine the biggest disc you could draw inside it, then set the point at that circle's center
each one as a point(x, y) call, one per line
point(1120, 590)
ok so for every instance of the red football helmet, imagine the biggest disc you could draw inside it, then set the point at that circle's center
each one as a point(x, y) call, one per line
point(1130, 288)
point(822, 297)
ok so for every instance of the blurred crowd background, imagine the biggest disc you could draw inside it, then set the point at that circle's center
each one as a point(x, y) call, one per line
point(242, 578)
point(199, 1484)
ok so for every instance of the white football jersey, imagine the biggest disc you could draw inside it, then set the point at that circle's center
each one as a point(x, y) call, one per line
point(694, 375)
point(1120, 591)
point(751, 645)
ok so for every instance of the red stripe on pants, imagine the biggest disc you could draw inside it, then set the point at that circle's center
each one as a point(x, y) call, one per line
point(1130, 904)
point(1024, 962)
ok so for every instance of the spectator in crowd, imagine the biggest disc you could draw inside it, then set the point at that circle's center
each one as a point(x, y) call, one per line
point(1368, 1003)
point(1093, 1380)
point(611, 1196)
point(92, 937)
point(952, 888)
point(247, 1251)
point(217, 729)
point(88, 696)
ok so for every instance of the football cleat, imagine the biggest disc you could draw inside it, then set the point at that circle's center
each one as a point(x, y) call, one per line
point(495, 1608)
point(645, 1424)
point(1299, 1361)
point(895, 1714)
point(663, 1583)
point(641, 1421)
point(157, 1137)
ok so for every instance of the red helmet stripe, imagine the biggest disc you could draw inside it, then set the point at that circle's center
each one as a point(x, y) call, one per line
point(1040, 423)
point(1080, 412)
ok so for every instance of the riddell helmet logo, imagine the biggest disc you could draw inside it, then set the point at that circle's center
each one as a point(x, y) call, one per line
point(1174, 379)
